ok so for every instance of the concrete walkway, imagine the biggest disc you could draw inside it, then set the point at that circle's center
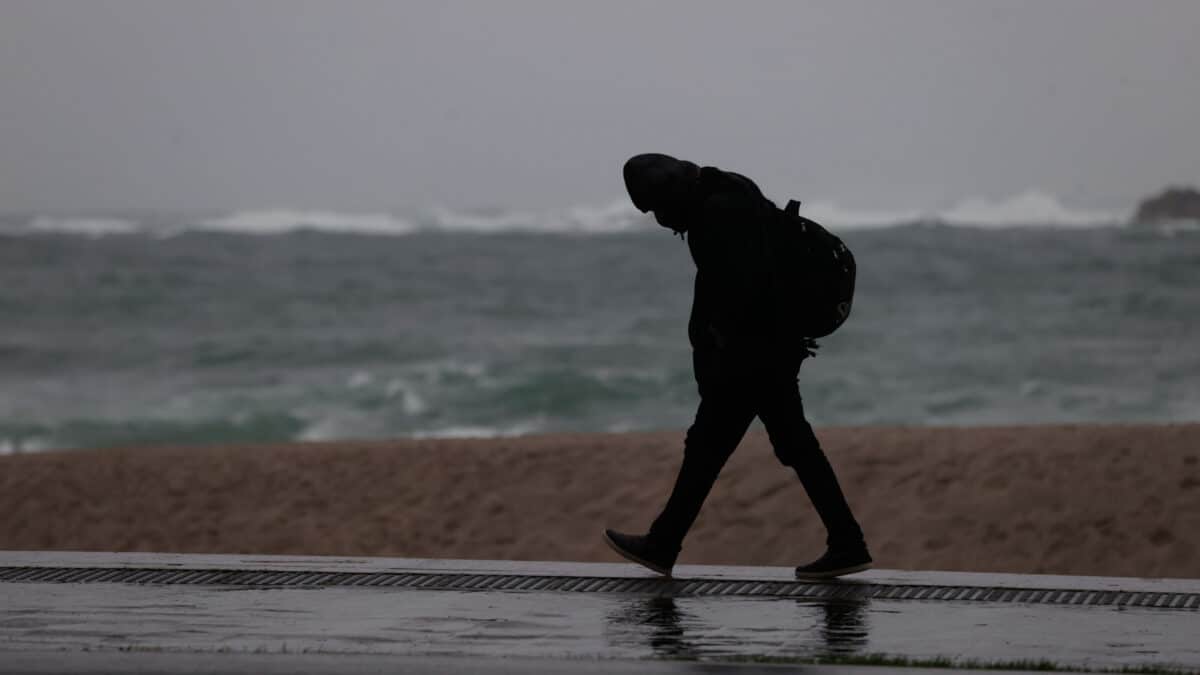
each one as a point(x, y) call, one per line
point(193, 663)
point(161, 604)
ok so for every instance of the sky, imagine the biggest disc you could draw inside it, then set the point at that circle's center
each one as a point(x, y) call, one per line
point(366, 106)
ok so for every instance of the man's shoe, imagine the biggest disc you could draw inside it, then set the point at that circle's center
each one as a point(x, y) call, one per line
point(642, 551)
point(835, 563)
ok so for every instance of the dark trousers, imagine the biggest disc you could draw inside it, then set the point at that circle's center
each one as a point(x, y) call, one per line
point(729, 402)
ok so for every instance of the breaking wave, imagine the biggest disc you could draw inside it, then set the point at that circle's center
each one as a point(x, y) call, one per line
point(283, 221)
point(1032, 208)
point(1028, 209)
point(617, 216)
point(89, 227)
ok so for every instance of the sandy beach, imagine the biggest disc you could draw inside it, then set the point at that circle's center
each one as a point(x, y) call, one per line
point(1087, 499)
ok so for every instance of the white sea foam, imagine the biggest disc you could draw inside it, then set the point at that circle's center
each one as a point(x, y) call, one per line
point(1032, 208)
point(10, 446)
point(470, 431)
point(89, 227)
point(458, 432)
point(616, 216)
point(359, 379)
point(449, 220)
point(1028, 208)
point(323, 429)
point(282, 221)
point(330, 424)
point(411, 402)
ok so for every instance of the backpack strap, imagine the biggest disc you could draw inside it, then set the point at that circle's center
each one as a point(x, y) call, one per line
point(793, 211)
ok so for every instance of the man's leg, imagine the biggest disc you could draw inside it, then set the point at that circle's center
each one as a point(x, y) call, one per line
point(721, 421)
point(782, 413)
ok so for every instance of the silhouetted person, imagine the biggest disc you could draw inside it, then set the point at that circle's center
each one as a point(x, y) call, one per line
point(745, 363)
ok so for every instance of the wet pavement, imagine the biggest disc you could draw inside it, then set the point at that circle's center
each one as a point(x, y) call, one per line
point(654, 623)
point(175, 663)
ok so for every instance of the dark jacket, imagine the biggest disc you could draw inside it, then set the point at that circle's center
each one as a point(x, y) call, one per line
point(733, 329)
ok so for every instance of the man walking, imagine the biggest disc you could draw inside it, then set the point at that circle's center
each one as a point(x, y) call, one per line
point(745, 362)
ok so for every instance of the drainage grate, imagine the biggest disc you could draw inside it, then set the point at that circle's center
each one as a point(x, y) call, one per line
point(673, 587)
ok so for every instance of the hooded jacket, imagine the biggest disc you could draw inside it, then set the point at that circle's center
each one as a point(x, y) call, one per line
point(731, 327)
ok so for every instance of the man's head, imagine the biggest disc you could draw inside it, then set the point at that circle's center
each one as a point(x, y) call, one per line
point(662, 184)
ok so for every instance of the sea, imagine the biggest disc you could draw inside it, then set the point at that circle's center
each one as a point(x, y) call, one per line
point(133, 329)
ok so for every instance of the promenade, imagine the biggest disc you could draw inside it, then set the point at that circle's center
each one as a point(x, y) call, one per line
point(164, 612)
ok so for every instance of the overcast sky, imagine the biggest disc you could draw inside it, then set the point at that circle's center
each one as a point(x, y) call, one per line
point(108, 104)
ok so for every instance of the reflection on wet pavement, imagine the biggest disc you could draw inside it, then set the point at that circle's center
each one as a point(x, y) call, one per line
point(844, 629)
point(836, 628)
point(596, 625)
point(655, 621)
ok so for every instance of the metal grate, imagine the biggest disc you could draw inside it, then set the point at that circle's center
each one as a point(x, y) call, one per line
point(658, 586)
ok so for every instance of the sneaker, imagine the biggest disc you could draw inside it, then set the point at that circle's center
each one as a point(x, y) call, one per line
point(835, 563)
point(642, 551)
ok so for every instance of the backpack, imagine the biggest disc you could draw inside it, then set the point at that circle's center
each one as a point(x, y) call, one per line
point(810, 273)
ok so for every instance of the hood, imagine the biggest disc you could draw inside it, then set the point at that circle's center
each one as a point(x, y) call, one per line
point(656, 181)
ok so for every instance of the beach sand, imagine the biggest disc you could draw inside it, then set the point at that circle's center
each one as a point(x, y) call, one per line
point(1088, 499)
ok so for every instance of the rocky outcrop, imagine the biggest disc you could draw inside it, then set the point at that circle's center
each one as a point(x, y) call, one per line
point(1173, 204)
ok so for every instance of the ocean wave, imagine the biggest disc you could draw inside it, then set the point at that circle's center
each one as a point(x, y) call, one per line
point(471, 431)
point(1032, 208)
point(614, 217)
point(20, 445)
point(618, 216)
point(96, 432)
point(284, 221)
point(1173, 228)
point(1028, 209)
point(88, 227)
